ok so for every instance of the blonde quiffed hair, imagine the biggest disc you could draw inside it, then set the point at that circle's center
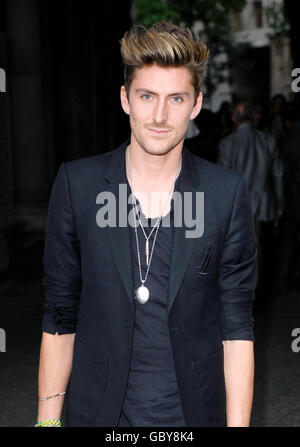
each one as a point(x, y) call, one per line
point(166, 45)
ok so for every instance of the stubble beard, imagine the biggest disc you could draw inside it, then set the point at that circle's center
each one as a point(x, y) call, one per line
point(164, 147)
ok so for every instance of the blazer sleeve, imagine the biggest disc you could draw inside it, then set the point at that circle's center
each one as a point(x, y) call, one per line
point(238, 270)
point(61, 261)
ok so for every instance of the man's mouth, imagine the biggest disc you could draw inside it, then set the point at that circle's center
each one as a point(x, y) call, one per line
point(159, 131)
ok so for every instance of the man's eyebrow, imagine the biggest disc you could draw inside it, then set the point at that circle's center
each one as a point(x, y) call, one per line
point(150, 92)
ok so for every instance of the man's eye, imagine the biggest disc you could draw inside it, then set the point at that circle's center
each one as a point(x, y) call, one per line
point(177, 99)
point(146, 96)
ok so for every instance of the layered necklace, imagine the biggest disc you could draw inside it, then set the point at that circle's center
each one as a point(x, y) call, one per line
point(142, 293)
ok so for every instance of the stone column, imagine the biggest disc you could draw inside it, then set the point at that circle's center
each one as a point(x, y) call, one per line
point(281, 67)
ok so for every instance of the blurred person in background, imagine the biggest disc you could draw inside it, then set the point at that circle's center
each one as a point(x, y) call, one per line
point(277, 121)
point(224, 123)
point(260, 117)
point(254, 154)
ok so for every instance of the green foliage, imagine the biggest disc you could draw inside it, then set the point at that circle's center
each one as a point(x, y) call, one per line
point(214, 15)
point(277, 18)
point(151, 11)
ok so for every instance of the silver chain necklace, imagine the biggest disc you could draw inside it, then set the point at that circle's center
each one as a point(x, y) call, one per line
point(146, 237)
point(142, 293)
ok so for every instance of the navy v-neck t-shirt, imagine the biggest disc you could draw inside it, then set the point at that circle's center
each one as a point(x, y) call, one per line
point(152, 398)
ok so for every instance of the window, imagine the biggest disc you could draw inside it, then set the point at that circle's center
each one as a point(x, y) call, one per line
point(258, 14)
point(236, 21)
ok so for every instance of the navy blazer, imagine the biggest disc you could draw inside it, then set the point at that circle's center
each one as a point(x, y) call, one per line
point(88, 279)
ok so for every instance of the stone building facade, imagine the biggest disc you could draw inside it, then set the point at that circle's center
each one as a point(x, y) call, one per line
point(262, 63)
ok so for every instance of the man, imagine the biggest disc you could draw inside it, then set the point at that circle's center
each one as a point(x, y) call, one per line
point(155, 324)
point(254, 154)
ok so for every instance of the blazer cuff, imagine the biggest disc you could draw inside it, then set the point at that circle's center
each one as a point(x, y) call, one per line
point(61, 319)
point(237, 321)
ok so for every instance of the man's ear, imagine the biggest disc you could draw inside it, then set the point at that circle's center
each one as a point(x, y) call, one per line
point(197, 106)
point(124, 100)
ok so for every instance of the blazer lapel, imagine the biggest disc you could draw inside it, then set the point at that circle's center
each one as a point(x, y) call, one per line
point(182, 246)
point(120, 236)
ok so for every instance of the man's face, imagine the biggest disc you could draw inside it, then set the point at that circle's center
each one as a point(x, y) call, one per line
point(161, 103)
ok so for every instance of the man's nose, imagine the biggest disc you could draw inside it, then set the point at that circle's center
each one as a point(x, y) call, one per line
point(160, 112)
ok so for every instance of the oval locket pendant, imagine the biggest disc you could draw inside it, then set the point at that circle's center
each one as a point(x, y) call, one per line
point(142, 294)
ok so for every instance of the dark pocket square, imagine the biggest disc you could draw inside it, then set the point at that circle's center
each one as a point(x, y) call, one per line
point(204, 258)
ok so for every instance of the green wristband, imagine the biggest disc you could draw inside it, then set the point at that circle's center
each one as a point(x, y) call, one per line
point(48, 423)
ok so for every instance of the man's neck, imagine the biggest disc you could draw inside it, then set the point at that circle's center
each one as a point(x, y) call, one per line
point(150, 174)
point(153, 170)
point(245, 124)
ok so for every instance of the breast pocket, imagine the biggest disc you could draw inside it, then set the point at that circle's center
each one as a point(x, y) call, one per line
point(88, 382)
